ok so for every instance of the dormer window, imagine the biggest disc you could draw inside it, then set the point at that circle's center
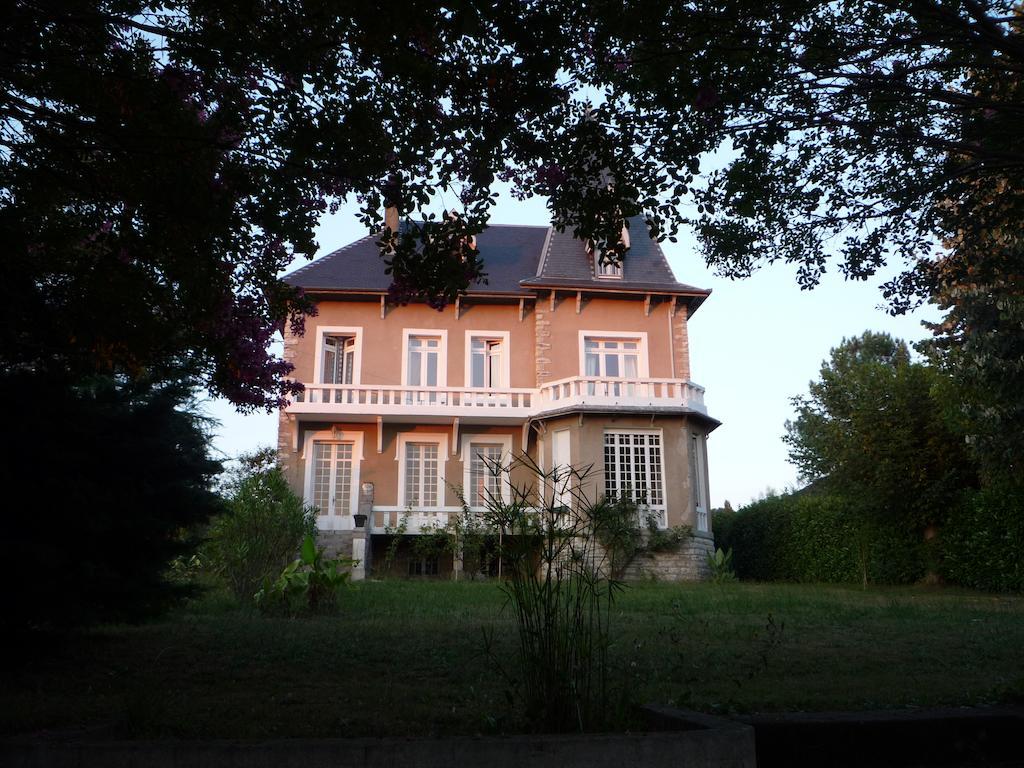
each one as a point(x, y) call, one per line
point(607, 269)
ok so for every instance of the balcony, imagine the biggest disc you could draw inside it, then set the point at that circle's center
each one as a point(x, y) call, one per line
point(489, 405)
point(583, 391)
point(356, 400)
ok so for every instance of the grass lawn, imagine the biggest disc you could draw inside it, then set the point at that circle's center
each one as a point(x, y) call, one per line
point(406, 658)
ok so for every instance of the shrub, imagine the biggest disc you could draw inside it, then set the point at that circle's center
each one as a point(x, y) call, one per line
point(557, 584)
point(982, 541)
point(262, 529)
point(307, 585)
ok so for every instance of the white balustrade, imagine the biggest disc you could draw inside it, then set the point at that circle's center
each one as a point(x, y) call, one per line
point(507, 402)
point(636, 393)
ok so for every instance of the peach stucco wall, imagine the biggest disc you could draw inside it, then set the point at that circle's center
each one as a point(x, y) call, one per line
point(381, 469)
point(564, 324)
point(381, 341)
point(586, 448)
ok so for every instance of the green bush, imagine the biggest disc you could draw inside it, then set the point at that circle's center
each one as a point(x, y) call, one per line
point(308, 585)
point(261, 531)
point(720, 566)
point(982, 541)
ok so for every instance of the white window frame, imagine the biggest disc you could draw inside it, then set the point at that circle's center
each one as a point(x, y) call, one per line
point(615, 274)
point(322, 331)
point(698, 446)
point(506, 359)
point(442, 355)
point(466, 454)
point(561, 487)
point(442, 458)
point(662, 508)
point(643, 367)
point(335, 522)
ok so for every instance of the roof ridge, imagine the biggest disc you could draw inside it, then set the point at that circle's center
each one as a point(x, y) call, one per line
point(544, 252)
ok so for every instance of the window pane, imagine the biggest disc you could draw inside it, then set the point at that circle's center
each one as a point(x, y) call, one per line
point(414, 368)
point(412, 474)
point(494, 366)
point(329, 361)
point(431, 369)
point(322, 478)
point(611, 365)
point(484, 474)
point(343, 479)
point(429, 493)
point(348, 361)
point(477, 370)
point(630, 367)
point(632, 467)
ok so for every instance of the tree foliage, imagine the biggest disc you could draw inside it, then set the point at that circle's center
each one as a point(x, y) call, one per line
point(160, 164)
point(874, 429)
point(105, 485)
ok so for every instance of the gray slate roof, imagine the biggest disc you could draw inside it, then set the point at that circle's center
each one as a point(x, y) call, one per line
point(510, 253)
point(512, 256)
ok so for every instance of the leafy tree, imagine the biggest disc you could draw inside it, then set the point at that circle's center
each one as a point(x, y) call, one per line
point(106, 484)
point(872, 427)
point(980, 345)
point(160, 164)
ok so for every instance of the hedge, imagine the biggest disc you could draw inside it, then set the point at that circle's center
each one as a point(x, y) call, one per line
point(982, 544)
point(815, 537)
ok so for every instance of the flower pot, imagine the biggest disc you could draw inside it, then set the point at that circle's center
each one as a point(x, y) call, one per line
point(360, 520)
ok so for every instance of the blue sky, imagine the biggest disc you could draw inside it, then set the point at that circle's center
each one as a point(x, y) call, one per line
point(754, 344)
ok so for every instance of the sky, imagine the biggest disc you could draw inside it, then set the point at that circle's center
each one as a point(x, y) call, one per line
point(754, 344)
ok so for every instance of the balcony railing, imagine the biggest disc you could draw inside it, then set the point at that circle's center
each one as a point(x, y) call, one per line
point(510, 403)
point(642, 393)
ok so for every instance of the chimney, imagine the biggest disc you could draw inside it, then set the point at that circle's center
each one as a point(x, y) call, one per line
point(391, 218)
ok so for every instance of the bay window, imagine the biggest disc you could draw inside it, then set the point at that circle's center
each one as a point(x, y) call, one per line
point(633, 469)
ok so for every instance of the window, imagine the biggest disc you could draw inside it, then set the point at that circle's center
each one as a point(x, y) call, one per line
point(481, 456)
point(485, 363)
point(611, 358)
point(622, 358)
point(633, 468)
point(421, 460)
point(424, 361)
point(421, 474)
point(485, 474)
point(606, 269)
point(339, 359)
point(425, 566)
point(335, 363)
point(698, 484)
point(561, 474)
point(332, 458)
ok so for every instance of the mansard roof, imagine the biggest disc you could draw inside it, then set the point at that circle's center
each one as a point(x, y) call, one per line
point(519, 260)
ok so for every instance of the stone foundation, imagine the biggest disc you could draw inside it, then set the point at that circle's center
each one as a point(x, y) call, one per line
point(335, 543)
point(688, 562)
